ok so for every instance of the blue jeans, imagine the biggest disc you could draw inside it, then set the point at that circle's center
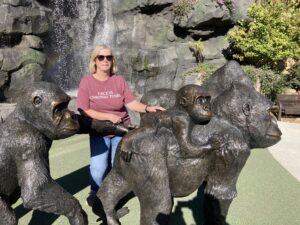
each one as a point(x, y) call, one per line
point(103, 151)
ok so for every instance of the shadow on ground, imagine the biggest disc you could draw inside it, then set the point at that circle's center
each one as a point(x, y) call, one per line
point(82, 181)
point(81, 176)
point(196, 207)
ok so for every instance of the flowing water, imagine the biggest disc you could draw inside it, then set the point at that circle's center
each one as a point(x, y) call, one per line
point(77, 27)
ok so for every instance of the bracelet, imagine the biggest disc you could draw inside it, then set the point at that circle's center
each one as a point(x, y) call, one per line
point(146, 108)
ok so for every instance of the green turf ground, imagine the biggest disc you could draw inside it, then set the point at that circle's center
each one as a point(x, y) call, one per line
point(267, 193)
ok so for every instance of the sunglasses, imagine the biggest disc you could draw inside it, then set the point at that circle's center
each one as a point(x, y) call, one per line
point(102, 57)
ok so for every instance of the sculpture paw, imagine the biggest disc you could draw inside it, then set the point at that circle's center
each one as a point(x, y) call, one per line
point(215, 143)
point(222, 150)
point(120, 213)
point(132, 126)
point(80, 218)
point(121, 130)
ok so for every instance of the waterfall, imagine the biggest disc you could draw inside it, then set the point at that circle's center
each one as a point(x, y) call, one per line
point(105, 34)
point(77, 27)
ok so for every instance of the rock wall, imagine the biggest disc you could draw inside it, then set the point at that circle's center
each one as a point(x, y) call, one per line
point(153, 38)
point(22, 24)
point(52, 39)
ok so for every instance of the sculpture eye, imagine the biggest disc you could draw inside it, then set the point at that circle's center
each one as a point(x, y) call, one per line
point(202, 100)
point(246, 109)
point(37, 100)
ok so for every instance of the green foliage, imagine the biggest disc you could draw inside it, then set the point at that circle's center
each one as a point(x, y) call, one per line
point(287, 2)
point(271, 37)
point(270, 83)
point(267, 81)
point(197, 48)
point(204, 70)
point(183, 7)
point(292, 79)
point(198, 45)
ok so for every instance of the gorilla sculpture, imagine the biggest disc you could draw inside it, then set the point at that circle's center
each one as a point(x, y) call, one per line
point(192, 106)
point(26, 136)
point(158, 171)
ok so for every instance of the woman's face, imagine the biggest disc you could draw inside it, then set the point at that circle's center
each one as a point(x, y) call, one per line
point(104, 60)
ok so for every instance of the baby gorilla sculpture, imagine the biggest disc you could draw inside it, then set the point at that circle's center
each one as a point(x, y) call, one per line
point(158, 170)
point(192, 106)
point(26, 136)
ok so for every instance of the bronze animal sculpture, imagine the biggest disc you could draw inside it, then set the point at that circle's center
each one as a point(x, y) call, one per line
point(191, 107)
point(26, 135)
point(158, 171)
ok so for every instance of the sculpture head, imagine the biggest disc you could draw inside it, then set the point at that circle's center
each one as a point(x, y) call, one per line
point(45, 106)
point(245, 108)
point(195, 101)
point(222, 78)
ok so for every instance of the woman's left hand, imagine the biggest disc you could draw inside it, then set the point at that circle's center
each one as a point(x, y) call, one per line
point(141, 107)
point(154, 108)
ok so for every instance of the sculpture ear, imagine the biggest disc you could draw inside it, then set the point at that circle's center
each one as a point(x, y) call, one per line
point(246, 109)
point(183, 101)
point(37, 101)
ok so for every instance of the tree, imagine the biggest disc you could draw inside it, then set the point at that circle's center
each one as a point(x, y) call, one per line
point(270, 37)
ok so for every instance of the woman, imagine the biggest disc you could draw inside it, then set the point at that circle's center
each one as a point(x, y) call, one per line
point(103, 95)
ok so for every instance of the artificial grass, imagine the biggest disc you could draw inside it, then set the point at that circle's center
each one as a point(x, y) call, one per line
point(267, 193)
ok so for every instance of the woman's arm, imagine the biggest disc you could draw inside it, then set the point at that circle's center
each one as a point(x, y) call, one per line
point(135, 105)
point(140, 107)
point(102, 116)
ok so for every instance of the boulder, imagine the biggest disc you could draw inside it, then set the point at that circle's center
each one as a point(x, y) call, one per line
point(14, 58)
point(26, 76)
point(21, 19)
point(204, 14)
point(31, 41)
point(16, 2)
point(239, 10)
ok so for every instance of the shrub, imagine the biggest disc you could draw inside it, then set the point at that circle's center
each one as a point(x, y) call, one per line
point(266, 81)
point(183, 7)
point(270, 37)
point(292, 79)
point(204, 70)
point(197, 48)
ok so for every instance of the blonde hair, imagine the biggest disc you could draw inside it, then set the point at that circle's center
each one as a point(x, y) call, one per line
point(95, 53)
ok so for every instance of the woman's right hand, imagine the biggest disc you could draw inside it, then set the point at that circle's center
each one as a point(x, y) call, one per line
point(102, 116)
point(115, 119)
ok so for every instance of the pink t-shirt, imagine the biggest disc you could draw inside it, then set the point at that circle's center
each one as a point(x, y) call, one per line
point(109, 96)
